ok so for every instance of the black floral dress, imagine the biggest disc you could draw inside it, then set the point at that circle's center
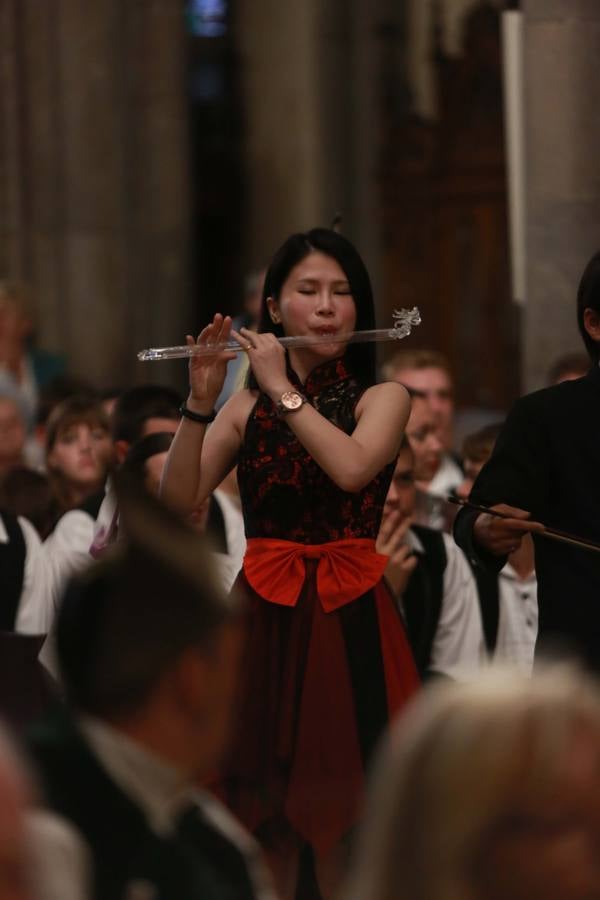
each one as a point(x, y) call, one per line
point(318, 684)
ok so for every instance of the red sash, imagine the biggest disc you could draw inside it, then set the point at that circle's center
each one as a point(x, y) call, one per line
point(346, 569)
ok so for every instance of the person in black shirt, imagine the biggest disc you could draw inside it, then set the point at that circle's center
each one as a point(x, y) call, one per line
point(544, 469)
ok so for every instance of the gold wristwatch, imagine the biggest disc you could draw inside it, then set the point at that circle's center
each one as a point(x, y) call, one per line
point(289, 402)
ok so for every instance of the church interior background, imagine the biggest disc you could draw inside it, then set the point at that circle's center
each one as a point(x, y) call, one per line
point(152, 153)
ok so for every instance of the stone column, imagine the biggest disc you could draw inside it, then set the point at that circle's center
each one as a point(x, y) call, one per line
point(562, 96)
point(99, 218)
point(309, 74)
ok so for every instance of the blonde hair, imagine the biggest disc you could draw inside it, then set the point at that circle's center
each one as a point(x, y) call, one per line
point(451, 768)
point(414, 359)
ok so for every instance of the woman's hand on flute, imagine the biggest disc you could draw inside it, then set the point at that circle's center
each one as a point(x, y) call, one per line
point(267, 360)
point(207, 373)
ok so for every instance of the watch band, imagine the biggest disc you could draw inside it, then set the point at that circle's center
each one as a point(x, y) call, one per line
point(197, 417)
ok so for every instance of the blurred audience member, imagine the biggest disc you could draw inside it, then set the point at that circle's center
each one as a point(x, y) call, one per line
point(146, 458)
point(427, 373)
point(424, 439)
point(238, 367)
point(84, 532)
point(568, 368)
point(146, 409)
point(430, 509)
point(25, 492)
point(476, 450)
point(13, 431)
point(108, 397)
point(79, 450)
point(59, 388)
point(508, 598)
point(24, 688)
point(487, 791)
point(15, 860)
point(219, 516)
point(26, 367)
point(431, 582)
point(23, 585)
point(148, 648)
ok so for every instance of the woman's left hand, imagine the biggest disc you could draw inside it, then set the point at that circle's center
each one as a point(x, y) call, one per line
point(267, 360)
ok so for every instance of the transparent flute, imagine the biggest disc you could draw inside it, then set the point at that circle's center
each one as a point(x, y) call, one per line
point(404, 321)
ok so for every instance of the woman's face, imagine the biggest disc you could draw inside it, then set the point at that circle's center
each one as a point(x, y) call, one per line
point(316, 300)
point(82, 453)
point(550, 849)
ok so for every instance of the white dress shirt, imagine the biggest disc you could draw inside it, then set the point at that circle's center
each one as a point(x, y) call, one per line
point(230, 563)
point(458, 649)
point(32, 611)
point(448, 476)
point(517, 620)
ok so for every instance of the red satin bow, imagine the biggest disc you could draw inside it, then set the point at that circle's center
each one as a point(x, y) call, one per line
point(346, 569)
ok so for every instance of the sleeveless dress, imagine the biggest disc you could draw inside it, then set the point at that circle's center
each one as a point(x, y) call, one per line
point(321, 677)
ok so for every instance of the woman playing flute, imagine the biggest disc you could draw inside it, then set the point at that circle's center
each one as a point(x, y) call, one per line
point(315, 440)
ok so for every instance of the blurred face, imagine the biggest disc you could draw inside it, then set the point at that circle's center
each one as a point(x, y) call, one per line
point(471, 468)
point(437, 387)
point(423, 437)
point(316, 300)
point(401, 496)
point(82, 454)
point(12, 433)
point(550, 850)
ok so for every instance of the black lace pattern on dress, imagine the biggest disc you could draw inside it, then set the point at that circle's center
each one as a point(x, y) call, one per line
point(284, 493)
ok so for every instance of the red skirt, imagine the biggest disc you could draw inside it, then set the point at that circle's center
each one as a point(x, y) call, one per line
point(317, 690)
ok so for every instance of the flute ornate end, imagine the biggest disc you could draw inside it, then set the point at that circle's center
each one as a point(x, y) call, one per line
point(404, 322)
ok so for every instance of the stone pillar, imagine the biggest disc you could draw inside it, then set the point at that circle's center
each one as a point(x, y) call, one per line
point(99, 218)
point(562, 132)
point(309, 74)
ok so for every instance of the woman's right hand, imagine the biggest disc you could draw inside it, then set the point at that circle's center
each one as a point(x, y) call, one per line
point(207, 373)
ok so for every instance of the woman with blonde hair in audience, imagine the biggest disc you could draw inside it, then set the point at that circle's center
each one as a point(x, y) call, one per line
point(487, 791)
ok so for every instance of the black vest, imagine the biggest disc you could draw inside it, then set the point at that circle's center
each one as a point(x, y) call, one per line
point(422, 599)
point(12, 571)
point(196, 863)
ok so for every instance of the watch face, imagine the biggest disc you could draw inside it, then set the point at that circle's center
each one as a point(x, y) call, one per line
point(291, 400)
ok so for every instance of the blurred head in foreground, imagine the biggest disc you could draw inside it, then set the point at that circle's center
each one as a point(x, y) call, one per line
point(14, 799)
point(148, 642)
point(488, 791)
